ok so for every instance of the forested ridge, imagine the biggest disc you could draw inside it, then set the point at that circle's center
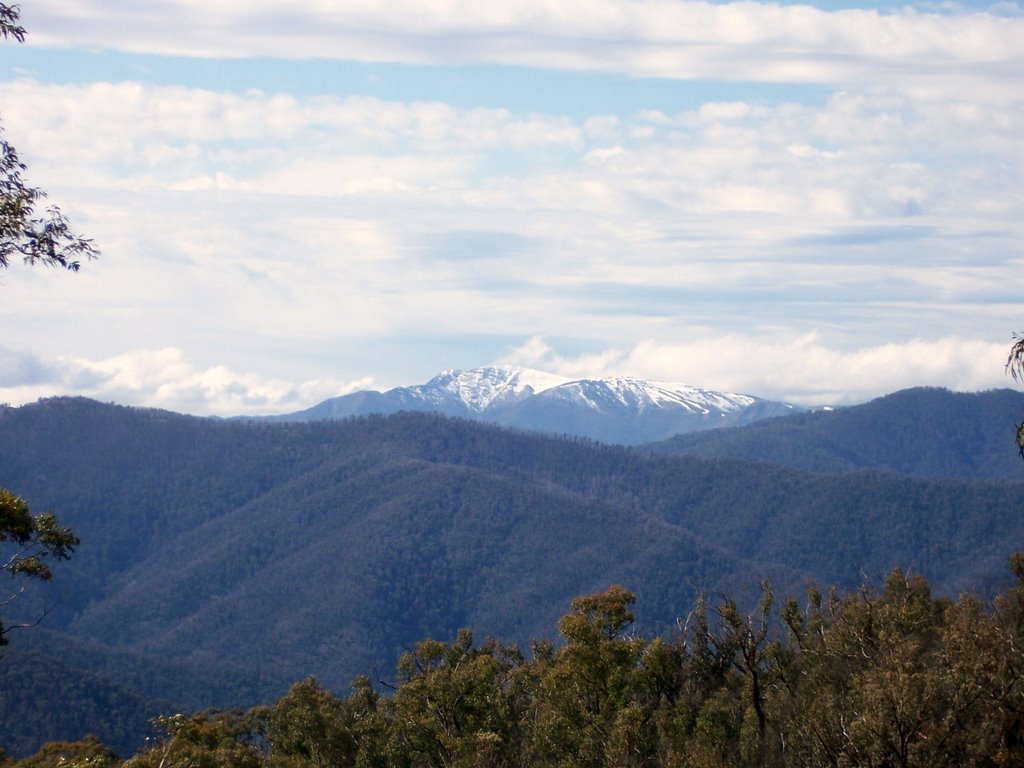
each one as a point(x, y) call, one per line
point(925, 431)
point(223, 561)
point(63, 699)
point(889, 676)
point(227, 581)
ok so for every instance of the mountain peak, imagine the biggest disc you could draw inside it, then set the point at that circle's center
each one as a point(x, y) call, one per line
point(617, 409)
point(480, 388)
point(640, 394)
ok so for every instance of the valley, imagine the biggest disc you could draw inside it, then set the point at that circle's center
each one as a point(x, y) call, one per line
point(222, 561)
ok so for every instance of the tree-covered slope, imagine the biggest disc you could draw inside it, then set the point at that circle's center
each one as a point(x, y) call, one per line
point(326, 548)
point(924, 432)
point(256, 554)
point(372, 561)
point(43, 698)
point(891, 676)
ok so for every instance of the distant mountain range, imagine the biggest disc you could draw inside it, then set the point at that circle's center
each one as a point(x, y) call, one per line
point(626, 411)
point(223, 560)
point(925, 431)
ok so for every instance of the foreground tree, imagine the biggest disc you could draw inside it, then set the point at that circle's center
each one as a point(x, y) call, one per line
point(37, 237)
point(893, 677)
point(310, 726)
point(9, 26)
point(586, 710)
point(456, 705)
point(89, 752)
point(1015, 367)
point(899, 678)
point(204, 740)
point(29, 543)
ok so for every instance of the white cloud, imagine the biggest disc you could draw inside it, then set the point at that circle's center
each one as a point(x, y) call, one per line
point(870, 153)
point(162, 378)
point(132, 123)
point(665, 38)
point(286, 235)
point(602, 155)
point(713, 192)
point(799, 369)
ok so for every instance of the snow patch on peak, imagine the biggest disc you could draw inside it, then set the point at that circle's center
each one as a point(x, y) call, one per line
point(640, 395)
point(480, 388)
point(670, 392)
point(624, 410)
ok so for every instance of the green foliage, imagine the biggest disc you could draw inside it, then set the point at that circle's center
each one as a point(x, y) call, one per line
point(1015, 367)
point(204, 740)
point(89, 752)
point(1015, 360)
point(9, 26)
point(311, 726)
point(900, 678)
point(455, 704)
point(28, 543)
point(598, 617)
point(331, 548)
point(45, 699)
point(586, 705)
point(44, 239)
point(890, 677)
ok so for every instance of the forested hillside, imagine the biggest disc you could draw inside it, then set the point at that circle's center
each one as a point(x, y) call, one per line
point(222, 561)
point(879, 676)
point(44, 697)
point(924, 432)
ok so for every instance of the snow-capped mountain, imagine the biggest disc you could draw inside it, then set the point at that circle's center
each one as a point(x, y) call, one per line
point(639, 395)
point(483, 389)
point(631, 411)
point(616, 410)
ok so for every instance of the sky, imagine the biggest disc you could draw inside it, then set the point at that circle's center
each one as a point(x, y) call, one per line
point(812, 203)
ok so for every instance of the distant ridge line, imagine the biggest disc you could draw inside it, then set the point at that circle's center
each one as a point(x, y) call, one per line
point(623, 410)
